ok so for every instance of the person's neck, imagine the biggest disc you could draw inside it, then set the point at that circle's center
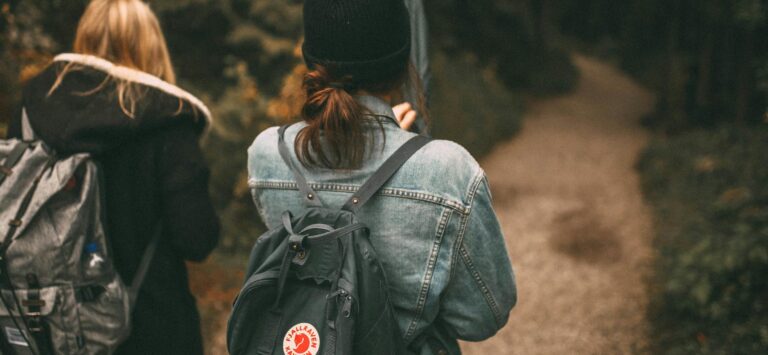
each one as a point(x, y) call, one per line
point(385, 97)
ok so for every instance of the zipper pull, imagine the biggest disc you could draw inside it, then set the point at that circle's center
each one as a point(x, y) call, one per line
point(346, 309)
point(338, 292)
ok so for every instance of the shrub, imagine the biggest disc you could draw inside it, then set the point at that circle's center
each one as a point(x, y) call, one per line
point(709, 293)
point(471, 106)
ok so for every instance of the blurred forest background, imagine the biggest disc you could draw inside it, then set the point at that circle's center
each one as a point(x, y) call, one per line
point(705, 172)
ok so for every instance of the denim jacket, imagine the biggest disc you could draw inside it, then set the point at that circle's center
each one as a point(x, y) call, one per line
point(433, 227)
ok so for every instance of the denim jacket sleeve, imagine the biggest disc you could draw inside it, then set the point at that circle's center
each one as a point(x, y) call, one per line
point(481, 292)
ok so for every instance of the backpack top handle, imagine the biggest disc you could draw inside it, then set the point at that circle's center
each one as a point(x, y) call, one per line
point(370, 187)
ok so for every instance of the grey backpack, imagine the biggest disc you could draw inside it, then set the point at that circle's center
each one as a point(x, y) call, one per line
point(59, 291)
point(314, 285)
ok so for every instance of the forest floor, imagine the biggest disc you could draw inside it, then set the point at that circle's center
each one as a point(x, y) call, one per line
point(569, 201)
point(578, 232)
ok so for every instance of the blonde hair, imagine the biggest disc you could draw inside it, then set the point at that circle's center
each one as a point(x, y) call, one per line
point(126, 33)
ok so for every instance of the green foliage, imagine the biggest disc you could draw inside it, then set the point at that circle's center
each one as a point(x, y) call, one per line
point(710, 192)
point(479, 114)
point(21, 37)
point(239, 112)
point(705, 59)
point(514, 38)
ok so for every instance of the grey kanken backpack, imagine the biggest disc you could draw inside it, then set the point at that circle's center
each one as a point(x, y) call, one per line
point(314, 284)
point(60, 293)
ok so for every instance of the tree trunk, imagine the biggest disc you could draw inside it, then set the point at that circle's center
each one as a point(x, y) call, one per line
point(704, 84)
point(529, 19)
point(546, 27)
point(676, 74)
point(744, 86)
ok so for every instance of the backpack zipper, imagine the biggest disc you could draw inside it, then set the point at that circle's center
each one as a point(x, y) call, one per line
point(247, 289)
point(344, 325)
point(250, 286)
point(346, 308)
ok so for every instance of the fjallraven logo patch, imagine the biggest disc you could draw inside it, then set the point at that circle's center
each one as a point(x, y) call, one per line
point(301, 339)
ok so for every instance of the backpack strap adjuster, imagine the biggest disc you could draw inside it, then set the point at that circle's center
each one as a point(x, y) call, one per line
point(31, 303)
point(16, 223)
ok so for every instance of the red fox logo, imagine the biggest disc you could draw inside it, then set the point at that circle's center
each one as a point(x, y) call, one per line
point(301, 339)
point(302, 343)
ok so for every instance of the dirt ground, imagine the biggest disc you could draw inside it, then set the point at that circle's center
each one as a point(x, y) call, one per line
point(568, 198)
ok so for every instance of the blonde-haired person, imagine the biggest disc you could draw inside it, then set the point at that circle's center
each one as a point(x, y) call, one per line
point(115, 97)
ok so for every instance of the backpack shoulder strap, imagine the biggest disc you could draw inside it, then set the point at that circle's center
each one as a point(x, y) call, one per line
point(308, 195)
point(385, 172)
point(6, 169)
point(146, 260)
point(26, 128)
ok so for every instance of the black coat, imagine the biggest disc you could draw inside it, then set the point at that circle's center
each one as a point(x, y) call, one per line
point(154, 171)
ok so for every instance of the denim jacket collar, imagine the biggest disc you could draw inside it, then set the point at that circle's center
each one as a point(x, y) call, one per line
point(378, 108)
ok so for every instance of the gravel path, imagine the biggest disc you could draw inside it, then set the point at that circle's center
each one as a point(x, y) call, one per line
point(577, 229)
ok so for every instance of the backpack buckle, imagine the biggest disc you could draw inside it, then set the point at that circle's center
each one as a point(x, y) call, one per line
point(301, 255)
point(31, 303)
point(296, 245)
point(34, 304)
point(34, 322)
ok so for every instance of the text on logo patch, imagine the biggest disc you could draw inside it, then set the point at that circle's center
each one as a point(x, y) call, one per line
point(301, 339)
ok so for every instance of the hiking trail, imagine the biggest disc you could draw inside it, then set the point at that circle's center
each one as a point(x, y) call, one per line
point(578, 232)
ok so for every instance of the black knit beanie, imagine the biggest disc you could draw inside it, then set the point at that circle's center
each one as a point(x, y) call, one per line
point(369, 40)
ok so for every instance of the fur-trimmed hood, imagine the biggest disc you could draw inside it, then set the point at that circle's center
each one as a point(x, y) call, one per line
point(72, 119)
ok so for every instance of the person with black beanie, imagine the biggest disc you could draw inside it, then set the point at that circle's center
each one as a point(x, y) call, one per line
point(432, 225)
